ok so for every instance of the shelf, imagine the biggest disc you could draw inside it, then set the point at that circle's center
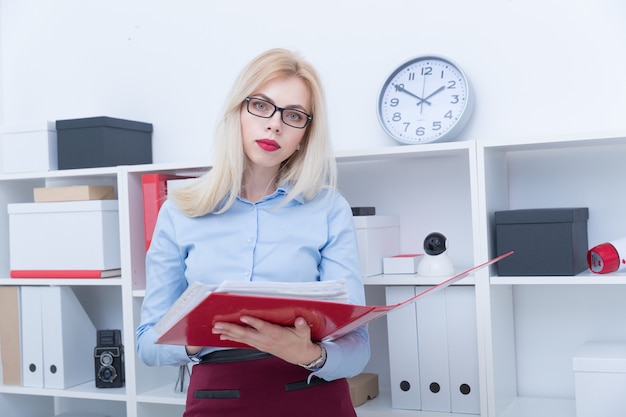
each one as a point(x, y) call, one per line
point(540, 407)
point(96, 282)
point(410, 279)
point(183, 169)
point(62, 173)
point(87, 390)
point(403, 151)
point(454, 187)
point(162, 395)
point(566, 141)
point(584, 278)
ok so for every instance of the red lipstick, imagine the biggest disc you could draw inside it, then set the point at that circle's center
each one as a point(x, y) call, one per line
point(268, 145)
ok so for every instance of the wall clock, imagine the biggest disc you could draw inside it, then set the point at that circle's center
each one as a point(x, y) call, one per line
point(425, 99)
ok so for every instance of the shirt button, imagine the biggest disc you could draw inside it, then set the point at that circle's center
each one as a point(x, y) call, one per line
point(247, 272)
point(250, 240)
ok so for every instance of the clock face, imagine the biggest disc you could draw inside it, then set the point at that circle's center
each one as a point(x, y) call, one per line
point(424, 100)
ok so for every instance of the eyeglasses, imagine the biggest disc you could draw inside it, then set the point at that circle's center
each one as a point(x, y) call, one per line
point(290, 117)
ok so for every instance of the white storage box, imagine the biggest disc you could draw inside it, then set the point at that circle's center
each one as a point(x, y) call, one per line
point(377, 237)
point(401, 264)
point(75, 235)
point(600, 378)
point(29, 148)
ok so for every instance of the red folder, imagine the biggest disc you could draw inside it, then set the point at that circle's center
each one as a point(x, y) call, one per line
point(154, 188)
point(328, 320)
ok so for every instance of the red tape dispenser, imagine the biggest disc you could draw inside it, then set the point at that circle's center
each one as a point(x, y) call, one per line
point(605, 258)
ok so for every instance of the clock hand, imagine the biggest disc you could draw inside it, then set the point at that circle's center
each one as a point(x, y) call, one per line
point(424, 100)
point(437, 91)
point(421, 100)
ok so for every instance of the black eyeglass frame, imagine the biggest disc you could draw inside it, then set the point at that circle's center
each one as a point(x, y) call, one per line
point(280, 109)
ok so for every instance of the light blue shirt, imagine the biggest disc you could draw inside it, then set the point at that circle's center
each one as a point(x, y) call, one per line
point(300, 241)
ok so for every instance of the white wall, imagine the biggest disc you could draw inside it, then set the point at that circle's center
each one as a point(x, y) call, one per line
point(538, 67)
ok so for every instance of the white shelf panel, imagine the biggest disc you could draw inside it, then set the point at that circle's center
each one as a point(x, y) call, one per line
point(540, 407)
point(558, 142)
point(103, 282)
point(584, 278)
point(87, 390)
point(411, 279)
point(403, 151)
point(162, 395)
point(191, 169)
point(62, 173)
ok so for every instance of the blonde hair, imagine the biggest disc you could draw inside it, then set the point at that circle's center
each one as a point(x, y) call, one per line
point(310, 169)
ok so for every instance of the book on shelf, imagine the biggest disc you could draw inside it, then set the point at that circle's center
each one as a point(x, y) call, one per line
point(190, 320)
point(154, 193)
point(10, 342)
point(65, 273)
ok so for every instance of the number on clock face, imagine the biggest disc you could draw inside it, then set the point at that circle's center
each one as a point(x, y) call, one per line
point(423, 100)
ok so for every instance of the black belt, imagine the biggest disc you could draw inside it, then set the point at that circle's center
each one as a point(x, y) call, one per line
point(233, 355)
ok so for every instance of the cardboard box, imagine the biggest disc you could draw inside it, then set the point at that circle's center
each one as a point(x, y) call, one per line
point(74, 193)
point(29, 148)
point(377, 237)
point(600, 379)
point(363, 387)
point(401, 264)
point(103, 141)
point(77, 235)
point(546, 241)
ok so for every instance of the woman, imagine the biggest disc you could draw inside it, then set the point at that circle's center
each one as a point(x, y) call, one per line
point(267, 211)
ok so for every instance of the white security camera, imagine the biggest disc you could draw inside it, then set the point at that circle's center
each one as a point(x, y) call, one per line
point(436, 261)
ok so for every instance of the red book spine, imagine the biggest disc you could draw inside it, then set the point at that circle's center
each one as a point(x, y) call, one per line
point(154, 188)
point(63, 273)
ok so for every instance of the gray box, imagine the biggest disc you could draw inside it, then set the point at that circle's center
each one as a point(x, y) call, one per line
point(102, 141)
point(545, 241)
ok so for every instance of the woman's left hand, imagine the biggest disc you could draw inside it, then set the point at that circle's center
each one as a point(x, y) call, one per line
point(292, 344)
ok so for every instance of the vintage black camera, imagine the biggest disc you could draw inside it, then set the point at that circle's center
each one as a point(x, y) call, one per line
point(109, 359)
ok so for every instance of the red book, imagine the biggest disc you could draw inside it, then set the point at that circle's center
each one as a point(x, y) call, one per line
point(65, 273)
point(191, 324)
point(154, 188)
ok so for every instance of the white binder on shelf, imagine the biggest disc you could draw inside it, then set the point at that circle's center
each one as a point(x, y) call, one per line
point(69, 339)
point(403, 351)
point(463, 349)
point(433, 352)
point(32, 336)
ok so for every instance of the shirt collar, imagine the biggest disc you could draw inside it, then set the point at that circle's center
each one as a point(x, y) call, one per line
point(281, 191)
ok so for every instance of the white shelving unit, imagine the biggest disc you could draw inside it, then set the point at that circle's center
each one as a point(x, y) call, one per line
point(534, 325)
point(528, 327)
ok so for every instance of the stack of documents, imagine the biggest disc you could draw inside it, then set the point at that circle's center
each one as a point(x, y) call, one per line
point(334, 290)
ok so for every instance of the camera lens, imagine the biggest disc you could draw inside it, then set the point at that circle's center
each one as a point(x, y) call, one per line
point(435, 244)
point(107, 374)
point(106, 358)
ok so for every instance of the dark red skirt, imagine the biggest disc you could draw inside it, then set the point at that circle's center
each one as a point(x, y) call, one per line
point(267, 387)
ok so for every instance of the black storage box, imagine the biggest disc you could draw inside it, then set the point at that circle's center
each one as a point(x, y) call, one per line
point(102, 141)
point(546, 241)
